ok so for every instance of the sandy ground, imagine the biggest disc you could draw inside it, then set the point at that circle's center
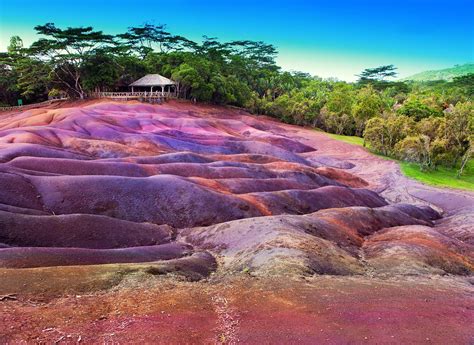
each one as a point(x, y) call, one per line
point(106, 304)
point(329, 310)
point(384, 175)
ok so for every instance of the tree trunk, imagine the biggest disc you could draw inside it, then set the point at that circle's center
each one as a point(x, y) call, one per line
point(464, 161)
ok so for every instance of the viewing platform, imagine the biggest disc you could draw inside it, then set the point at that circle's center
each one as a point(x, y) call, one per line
point(143, 96)
point(157, 89)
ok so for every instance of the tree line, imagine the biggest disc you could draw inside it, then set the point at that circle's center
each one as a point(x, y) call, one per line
point(430, 123)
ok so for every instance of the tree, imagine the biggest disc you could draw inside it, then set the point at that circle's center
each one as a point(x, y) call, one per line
point(9, 89)
point(340, 99)
point(24, 76)
point(441, 141)
point(459, 130)
point(66, 50)
point(100, 71)
point(16, 46)
point(193, 79)
point(367, 105)
point(416, 109)
point(34, 78)
point(417, 149)
point(336, 113)
point(377, 74)
point(260, 54)
point(383, 133)
point(466, 157)
point(152, 38)
point(465, 82)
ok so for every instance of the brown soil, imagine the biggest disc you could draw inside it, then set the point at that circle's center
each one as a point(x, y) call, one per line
point(324, 261)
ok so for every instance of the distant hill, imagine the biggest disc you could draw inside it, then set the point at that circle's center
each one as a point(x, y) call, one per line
point(443, 74)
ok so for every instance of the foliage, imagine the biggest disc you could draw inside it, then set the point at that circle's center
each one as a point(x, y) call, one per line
point(442, 176)
point(377, 78)
point(443, 74)
point(367, 104)
point(66, 51)
point(429, 123)
point(430, 142)
point(383, 133)
point(377, 74)
point(416, 109)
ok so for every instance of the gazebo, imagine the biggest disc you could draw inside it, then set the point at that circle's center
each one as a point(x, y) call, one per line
point(154, 80)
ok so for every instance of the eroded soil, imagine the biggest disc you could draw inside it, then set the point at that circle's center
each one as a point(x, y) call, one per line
point(184, 223)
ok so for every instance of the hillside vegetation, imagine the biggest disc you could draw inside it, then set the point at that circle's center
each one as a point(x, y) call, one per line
point(447, 74)
point(440, 177)
point(427, 123)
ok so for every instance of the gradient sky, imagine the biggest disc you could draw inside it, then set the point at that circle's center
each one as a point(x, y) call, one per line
point(336, 38)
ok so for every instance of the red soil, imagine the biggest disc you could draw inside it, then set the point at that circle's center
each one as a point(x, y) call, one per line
point(185, 223)
point(319, 310)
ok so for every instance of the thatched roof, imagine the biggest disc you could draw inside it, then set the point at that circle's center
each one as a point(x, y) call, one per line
point(153, 80)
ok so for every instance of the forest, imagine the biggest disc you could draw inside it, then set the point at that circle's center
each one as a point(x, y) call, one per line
point(428, 123)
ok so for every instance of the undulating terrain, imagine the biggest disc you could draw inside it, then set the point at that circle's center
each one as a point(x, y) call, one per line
point(181, 223)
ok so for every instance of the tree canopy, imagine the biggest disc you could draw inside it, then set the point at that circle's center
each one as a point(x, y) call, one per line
point(420, 121)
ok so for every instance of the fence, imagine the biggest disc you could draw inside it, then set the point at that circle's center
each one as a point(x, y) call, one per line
point(156, 95)
point(143, 96)
point(31, 106)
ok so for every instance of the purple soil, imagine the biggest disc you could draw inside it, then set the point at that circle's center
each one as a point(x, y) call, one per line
point(28, 257)
point(320, 310)
point(80, 231)
point(325, 242)
point(125, 202)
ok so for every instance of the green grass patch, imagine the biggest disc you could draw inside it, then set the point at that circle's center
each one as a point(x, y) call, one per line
point(441, 177)
point(348, 139)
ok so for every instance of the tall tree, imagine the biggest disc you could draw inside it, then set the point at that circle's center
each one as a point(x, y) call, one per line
point(368, 104)
point(377, 77)
point(66, 50)
point(148, 38)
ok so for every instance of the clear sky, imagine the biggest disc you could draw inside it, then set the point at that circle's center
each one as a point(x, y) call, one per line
point(333, 38)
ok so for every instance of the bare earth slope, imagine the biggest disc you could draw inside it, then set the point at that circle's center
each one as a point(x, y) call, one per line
point(224, 226)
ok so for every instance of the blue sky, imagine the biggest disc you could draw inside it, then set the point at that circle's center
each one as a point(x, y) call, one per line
point(335, 38)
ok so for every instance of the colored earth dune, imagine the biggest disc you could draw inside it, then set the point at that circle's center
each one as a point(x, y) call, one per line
point(142, 202)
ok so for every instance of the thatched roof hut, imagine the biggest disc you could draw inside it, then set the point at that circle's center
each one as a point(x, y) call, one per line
point(153, 80)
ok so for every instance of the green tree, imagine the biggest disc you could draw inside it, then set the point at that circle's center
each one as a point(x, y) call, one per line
point(100, 71)
point(416, 109)
point(459, 130)
point(417, 149)
point(377, 77)
point(66, 50)
point(152, 38)
point(383, 133)
point(465, 82)
point(368, 104)
point(34, 78)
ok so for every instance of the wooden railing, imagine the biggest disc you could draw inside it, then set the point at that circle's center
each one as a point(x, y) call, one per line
point(31, 106)
point(145, 95)
point(135, 95)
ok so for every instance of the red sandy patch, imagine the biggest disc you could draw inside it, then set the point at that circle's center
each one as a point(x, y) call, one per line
point(107, 209)
point(321, 310)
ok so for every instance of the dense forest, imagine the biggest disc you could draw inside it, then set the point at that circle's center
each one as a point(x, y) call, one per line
point(430, 123)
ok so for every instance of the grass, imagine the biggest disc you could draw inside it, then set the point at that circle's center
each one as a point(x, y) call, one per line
point(441, 177)
point(348, 139)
